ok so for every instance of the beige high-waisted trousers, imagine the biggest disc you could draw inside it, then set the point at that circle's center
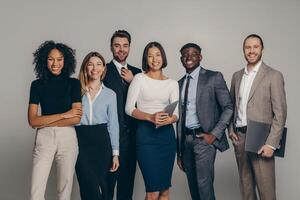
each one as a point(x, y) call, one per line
point(59, 144)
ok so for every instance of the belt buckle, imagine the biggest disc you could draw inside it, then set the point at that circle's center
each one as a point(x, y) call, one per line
point(199, 136)
point(197, 133)
point(242, 129)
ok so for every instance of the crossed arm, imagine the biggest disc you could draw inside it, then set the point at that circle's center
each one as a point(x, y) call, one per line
point(68, 118)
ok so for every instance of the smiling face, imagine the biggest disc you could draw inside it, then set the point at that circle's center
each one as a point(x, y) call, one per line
point(95, 68)
point(55, 62)
point(154, 59)
point(120, 49)
point(253, 51)
point(190, 58)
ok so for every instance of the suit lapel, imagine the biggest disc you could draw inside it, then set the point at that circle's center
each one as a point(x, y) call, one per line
point(258, 78)
point(180, 83)
point(238, 85)
point(201, 82)
point(116, 78)
point(131, 68)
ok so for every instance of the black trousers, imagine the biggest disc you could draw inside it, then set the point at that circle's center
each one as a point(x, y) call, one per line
point(94, 161)
point(124, 177)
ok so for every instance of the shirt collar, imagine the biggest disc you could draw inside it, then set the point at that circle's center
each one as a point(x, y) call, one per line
point(119, 65)
point(255, 69)
point(101, 87)
point(194, 73)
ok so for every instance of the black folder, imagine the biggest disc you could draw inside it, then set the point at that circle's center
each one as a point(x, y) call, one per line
point(257, 134)
point(280, 151)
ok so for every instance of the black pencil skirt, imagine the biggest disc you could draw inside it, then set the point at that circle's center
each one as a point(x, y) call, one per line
point(94, 161)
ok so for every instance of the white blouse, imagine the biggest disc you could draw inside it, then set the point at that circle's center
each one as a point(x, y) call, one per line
point(151, 95)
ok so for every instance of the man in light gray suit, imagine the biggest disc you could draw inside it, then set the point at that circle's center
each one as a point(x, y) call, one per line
point(258, 94)
point(205, 110)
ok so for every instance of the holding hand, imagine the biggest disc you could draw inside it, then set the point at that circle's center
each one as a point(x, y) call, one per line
point(126, 74)
point(266, 151)
point(158, 117)
point(180, 164)
point(115, 164)
point(162, 118)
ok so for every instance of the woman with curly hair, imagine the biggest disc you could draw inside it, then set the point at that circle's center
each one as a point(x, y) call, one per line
point(59, 98)
point(98, 132)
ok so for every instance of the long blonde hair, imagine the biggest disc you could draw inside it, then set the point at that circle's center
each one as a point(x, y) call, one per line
point(83, 77)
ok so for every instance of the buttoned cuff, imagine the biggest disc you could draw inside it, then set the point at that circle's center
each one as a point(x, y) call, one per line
point(271, 147)
point(116, 153)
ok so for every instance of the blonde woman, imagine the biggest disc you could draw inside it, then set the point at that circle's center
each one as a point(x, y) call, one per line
point(98, 132)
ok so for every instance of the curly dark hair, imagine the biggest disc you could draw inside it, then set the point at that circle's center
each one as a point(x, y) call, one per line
point(41, 57)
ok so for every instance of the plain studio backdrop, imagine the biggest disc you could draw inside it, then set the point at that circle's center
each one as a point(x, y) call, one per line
point(219, 27)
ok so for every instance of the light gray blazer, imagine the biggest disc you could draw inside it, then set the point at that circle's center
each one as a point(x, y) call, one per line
point(266, 103)
point(214, 108)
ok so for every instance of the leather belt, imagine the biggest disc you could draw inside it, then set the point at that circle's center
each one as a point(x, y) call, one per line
point(197, 132)
point(242, 129)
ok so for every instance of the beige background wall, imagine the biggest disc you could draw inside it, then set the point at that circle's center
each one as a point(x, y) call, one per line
point(218, 26)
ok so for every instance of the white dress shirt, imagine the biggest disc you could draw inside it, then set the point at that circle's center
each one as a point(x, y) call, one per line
point(245, 88)
point(119, 66)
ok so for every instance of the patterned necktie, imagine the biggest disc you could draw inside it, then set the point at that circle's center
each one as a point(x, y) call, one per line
point(125, 84)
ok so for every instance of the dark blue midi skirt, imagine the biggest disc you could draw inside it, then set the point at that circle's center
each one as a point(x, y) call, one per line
point(156, 148)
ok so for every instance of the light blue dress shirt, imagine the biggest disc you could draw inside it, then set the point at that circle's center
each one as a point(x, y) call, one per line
point(191, 112)
point(102, 109)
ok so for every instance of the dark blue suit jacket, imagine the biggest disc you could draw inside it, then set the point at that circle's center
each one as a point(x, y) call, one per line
point(114, 81)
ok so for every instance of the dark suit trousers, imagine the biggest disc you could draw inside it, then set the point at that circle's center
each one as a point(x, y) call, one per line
point(124, 177)
point(198, 161)
point(254, 170)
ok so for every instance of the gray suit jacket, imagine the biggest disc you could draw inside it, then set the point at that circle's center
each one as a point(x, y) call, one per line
point(214, 108)
point(266, 103)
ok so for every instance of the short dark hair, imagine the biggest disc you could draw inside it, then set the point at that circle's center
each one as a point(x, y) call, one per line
point(145, 65)
point(253, 35)
point(190, 45)
point(121, 34)
point(41, 57)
